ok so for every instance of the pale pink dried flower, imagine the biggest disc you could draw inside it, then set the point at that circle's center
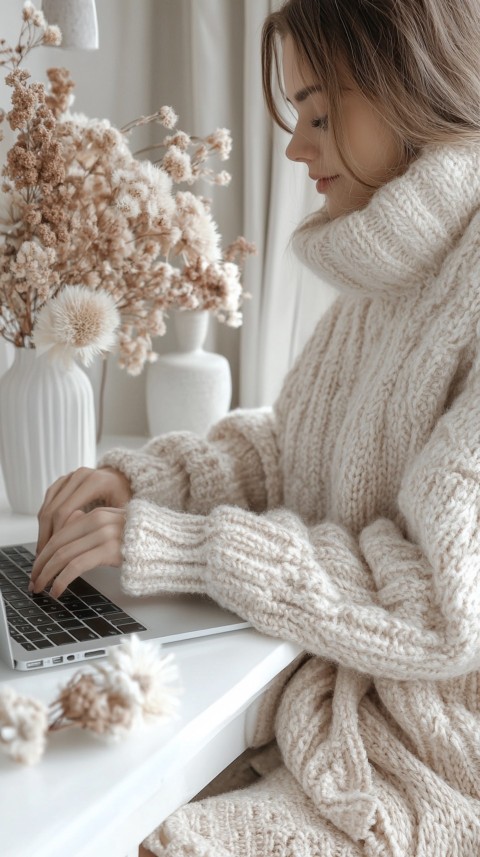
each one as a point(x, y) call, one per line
point(77, 322)
point(137, 671)
point(28, 10)
point(168, 117)
point(177, 164)
point(223, 178)
point(23, 726)
point(221, 142)
point(80, 207)
point(180, 139)
point(38, 19)
point(136, 681)
point(199, 235)
point(52, 36)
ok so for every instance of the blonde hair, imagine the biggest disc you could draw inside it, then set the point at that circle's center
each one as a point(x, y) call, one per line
point(416, 61)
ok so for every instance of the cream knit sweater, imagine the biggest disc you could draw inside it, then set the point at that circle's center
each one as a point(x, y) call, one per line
point(347, 519)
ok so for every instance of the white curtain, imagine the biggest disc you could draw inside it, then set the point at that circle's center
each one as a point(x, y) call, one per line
point(268, 196)
point(203, 58)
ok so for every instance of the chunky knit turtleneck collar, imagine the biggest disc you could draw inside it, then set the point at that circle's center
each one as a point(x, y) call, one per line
point(404, 233)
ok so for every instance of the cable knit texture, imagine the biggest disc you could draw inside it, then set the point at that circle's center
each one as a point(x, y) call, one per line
point(347, 519)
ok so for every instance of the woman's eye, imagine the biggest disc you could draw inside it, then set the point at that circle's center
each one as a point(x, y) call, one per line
point(321, 122)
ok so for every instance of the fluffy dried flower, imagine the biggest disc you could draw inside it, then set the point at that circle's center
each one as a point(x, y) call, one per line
point(38, 19)
point(77, 321)
point(28, 10)
point(223, 178)
point(81, 208)
point(133, 683)
point(23, 726)
point(136, 671)
point(86, 703)
point(177, 164)
point(168, 117)
point(221, 142)
point(52, 36)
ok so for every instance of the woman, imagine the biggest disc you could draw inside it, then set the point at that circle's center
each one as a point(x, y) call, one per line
point(347, 518)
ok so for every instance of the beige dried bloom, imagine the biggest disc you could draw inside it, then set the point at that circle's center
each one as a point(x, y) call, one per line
point(223, 178)
point(77, 322)
point(168, 117)
point(134, 682)
point(177, 164)
point(28, 10)
point(52, 36)
point(80, 207)
point(137, 671)
point(221, 142)
point(86, 703)
point(38, 19)
point(23, 726)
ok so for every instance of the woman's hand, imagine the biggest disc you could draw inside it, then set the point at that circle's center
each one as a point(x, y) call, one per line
point(77, 492)
point(85, 540)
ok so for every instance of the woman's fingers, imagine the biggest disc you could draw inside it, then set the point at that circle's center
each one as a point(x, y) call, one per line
point(86, 540)
point(62, 498)
point(78, 491)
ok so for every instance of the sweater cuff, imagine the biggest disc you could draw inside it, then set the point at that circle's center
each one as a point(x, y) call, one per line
point(163, 551)
point(160, 480)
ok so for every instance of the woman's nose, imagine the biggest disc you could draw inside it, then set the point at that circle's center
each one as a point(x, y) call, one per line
point(300, 148)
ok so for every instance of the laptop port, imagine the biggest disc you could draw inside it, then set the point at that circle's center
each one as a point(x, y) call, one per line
point(32, 665)
point(95, 654)
point(57, 660)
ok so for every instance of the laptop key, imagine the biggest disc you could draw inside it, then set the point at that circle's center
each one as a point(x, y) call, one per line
point(61, 638)
point(81, 587)
point(49, 628)
point(85, 613)
point(101, 627)
point(71, 623)
point(33, 636)
point(130, 629)
point(30, 647)
point(93, 600)
point(82, 634)
point(33, 612)
point(105, 609)
point(120, 618)
point(42, 644)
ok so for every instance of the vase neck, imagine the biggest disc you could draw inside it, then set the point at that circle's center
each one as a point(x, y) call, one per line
point(25, 356)
point(190, 329)
point(29, 357)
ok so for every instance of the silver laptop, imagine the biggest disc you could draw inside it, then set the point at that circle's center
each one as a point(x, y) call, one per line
point(38, 631)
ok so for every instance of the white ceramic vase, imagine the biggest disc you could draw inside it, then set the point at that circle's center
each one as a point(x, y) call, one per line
point(47, 426)
point(189, 389)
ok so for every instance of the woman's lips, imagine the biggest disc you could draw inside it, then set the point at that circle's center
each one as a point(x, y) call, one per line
point(323, 185)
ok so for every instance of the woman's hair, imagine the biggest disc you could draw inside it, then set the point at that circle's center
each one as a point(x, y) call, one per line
point(416, 61)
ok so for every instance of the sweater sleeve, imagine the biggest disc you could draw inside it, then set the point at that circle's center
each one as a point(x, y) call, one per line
point(238, 463)
point(401, 604)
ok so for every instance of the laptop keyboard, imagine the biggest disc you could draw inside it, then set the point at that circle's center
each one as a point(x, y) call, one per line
point(39, 621)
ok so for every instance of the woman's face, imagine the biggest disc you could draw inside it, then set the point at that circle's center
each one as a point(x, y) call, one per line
point(370, 143)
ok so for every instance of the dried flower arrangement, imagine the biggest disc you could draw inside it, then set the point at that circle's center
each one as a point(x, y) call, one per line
point(109, 700)
point(83, 216)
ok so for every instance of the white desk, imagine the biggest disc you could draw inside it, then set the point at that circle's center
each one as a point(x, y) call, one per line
point(89, 799)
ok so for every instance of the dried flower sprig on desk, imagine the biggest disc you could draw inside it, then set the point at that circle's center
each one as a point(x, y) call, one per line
point(114, 696)
point(81, 209)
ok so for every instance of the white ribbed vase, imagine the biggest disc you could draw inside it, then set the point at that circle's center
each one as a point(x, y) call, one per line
point(47, 426)
point(189, 389)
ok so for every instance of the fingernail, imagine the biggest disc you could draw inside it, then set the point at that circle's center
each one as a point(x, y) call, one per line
point(30, 586)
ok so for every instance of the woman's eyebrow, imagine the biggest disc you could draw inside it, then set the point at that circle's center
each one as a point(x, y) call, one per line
point(303, 94)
